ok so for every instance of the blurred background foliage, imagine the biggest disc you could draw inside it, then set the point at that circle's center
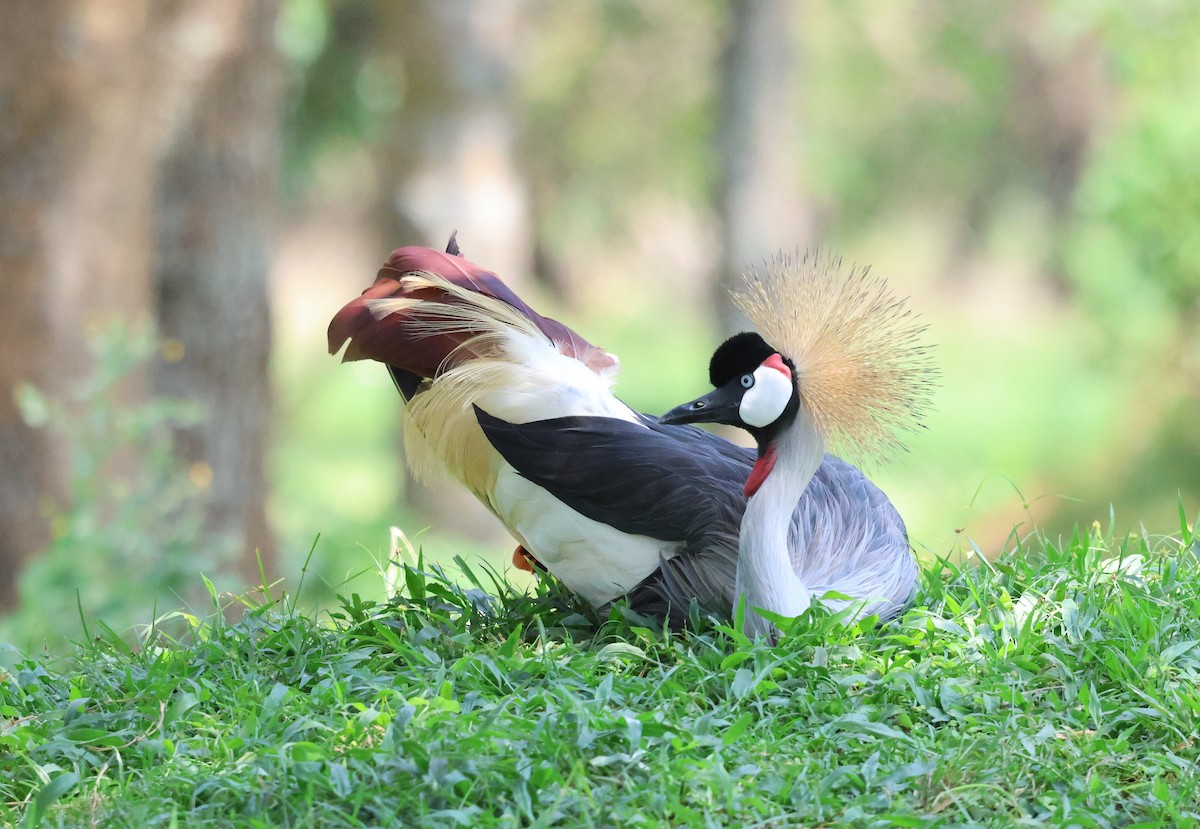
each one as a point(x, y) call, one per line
point(1026, 170)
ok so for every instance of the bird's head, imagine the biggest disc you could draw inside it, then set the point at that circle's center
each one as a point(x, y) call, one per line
point(835, 347)
point(754, 389)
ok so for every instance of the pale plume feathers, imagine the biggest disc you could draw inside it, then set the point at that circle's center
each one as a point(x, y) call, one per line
point(866, 374)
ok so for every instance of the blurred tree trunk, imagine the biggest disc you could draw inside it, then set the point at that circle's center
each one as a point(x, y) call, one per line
point(25, 453)
point(760, 208)
point(31, 101)
point(1058, 105)
point(74, 138)
point(90, 93)
point(451, 160)
point(214, 207)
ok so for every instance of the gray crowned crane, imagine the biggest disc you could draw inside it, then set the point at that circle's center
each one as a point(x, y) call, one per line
point(848, 365)
point(519, 409)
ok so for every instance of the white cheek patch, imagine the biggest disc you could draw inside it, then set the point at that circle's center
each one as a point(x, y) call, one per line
point(765, 401)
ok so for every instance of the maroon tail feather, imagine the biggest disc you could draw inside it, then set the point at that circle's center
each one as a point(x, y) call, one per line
point(391, 340)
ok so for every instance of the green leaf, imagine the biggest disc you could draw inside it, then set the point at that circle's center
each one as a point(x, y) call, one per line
point(620, 650)
point(32, 404)
point(904, 820)
point(734, 659)
point(307, 751)
point(743, 683)
point(858, 724)
point(738, 728)
point(1172, 653)
point(182, 703)
point(46, 798)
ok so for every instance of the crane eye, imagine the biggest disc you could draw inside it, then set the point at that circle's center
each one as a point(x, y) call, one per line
point(747, 381)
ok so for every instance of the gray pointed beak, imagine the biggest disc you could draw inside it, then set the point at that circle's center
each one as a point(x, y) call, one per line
point(718, 406)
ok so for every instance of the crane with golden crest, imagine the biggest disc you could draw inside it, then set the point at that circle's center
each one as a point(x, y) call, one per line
point(837, 357)
point(519, 408)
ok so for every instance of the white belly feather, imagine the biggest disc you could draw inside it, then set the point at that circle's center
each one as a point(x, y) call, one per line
point(593, 559)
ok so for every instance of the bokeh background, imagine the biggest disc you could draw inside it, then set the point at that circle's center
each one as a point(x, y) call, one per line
point(189, 189)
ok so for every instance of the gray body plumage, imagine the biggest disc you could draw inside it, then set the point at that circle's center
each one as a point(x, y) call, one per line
point(845, 537)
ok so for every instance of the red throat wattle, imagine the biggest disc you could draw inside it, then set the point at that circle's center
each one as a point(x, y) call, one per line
point(762, 468)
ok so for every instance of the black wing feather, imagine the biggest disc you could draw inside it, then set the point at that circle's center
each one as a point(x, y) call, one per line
point(675, 483)
point(667, 482)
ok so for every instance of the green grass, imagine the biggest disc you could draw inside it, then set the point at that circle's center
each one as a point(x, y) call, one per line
point(1059, 686)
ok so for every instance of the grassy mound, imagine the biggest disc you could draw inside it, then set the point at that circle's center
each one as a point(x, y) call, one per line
point(1059, 686)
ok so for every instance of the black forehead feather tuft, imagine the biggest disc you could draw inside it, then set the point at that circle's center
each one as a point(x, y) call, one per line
point(740, 354)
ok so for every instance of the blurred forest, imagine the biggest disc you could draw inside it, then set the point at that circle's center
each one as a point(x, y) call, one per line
point(189, 189)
